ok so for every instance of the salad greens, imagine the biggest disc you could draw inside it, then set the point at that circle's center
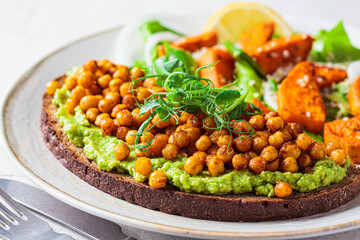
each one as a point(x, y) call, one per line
point(334, 46)
point(336, 102)
point(151, 27)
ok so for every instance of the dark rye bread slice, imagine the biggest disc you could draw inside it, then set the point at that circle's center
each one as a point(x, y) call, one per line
point(232, 208)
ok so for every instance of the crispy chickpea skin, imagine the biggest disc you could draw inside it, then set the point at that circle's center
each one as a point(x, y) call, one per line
point(193, 165)
point(86, 79)
point(317, 150)
point(240, 162)
point(264, 134)
point(303, 141)
point(215, 166)
point(270, 114)
point(282, 189)
point(257, 165)
point(157, 179)
point(170, 151)
point(159, 143)
point(77, 94)
point(243, 143)
point(213, 149)
point(70, 83)
point(274, 124)
point(146, 137)
point(117, 109)
point(251, 154)
point(181, 138)
point(89, 101)
point(144, 152)
point(269, 153)
point(259, 144)
point(125, 89)
point(91, 114)
point(121, 133)
point(129, 101)
point(242, 127)
point(121, 151)
point(142, 94)
point(289, 164)
point(130, 137)
point(104, 81)
point(289, 149)
point(273, 165)
point(203, 143)
point(294, 129)
point(201, 155)
point(287, 136)
point(90, 66)
point(70, 106)
point(304, 161)
point(143, 165)
point(114, 85)
point(113, 97)
point(194, 133)
point(277, 140)
point(160, 123)
point(227, 140)
point(106, 105)
point(331, 146)
point(107, 126)
point(124, 118)
point(257, 122)
point(101, 117)
point(225, 153)
point(338, 156)
point(52, 86)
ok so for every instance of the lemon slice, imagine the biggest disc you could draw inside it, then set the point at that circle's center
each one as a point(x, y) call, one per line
point(231, 20)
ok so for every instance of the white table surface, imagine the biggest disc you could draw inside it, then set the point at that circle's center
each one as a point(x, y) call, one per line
point(30, 29)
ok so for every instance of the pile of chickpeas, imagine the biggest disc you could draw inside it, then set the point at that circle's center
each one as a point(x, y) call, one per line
point(111, 100)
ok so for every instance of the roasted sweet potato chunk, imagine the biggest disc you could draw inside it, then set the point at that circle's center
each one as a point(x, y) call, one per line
point(326, 76)
point(194, 43)
point(256, 35)
point(347, 133)
point(265, 109)
point(354, 97)
point(222, 73)
point(160, 49)
point(299, 98)
point(281, 52)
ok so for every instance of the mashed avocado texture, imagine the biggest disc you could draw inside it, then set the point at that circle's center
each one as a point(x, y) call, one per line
point(100, 149)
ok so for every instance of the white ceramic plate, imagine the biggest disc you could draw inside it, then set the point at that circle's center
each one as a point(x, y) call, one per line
point(23, 138)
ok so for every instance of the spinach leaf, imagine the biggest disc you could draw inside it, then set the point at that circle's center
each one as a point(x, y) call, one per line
point(227, 96)
point(334, 46)
point(149, 28)
point(148, 105)
point(247, 78)
point(317, 137)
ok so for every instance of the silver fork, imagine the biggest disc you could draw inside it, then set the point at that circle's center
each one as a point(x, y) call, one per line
point(16, 222)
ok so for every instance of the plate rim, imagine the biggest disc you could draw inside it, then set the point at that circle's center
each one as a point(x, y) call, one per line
point(118, 218)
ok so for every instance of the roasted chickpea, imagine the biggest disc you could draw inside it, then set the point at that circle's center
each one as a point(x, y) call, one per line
point(70, 106)
point(124, 118)
point(77, 94)
point(105, 91)
point(145, 151)
point(242, 127)
point(212, 149)
point(104, 81)
point(194, 121)
point(181, 138)
point(209, 124)
point(89, 101)
point(86, 79)
point(304, 161)
point(170, 130)
point(227, 140)
point(289, 164)
point(201, 155)
point(294, 129)
point(91, 114)
point(129, 101)
point(131, 137)
point(156, 89)
point(240, 162)
point(98, 74)
point(257, 165)
point(121, 133)
point(191, 149)
point(150, 82)
point(270, 114)
point(203, 143)
point(257, 122)
point(263, 134)
point(170, 151)
point(303, 141)
point(104, 65)
point(274, 124)
point(101, 117)
point(243, 143)
point(289, 149)
point(90, 66)
point(331, 146)
point(287, 135)
point(215, 166)
point(317, 150)
point(138, 119)
point(136, 73)
point(273, 165)
point(106, 105)
point(277, 140)
point(217, 133)
point(115, 85)
point(160, 123)
point(194, 133)
point(259, 144)
point(95, 90)
point(338, 156)
point(121, 151)
point(70, 82)
point(282, 189)
point(146, 137)
point(159, 144)
point(249, 155)
point(143, 165)
point(117, 109)
point(183, 153)
point(142, 94)
point(193, 165)
point(113, 97)
point(107, 126)
point(269, 153)
point(157, 179)
point(225, 153)
point(125, 89)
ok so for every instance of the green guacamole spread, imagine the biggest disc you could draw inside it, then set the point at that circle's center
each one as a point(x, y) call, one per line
point(100, 149)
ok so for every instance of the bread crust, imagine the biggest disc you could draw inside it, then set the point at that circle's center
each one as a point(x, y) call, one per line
point(231, 208)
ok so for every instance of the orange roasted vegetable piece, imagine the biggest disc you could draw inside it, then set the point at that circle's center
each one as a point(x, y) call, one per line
point(220, 74)
point(255, 36)
point(265, 109)
point(281, 52)
point(326, 76)
point(299, 98)
point(160, 49)
point(354, 97)
point(194, 43)
point(347, 133)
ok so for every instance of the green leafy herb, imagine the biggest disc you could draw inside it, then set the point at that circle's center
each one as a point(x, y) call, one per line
point(334, 46)
point(151, 27)
point(336, 102)
point(317, 137)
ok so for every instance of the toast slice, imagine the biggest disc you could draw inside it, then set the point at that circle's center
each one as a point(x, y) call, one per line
point(231, 208)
